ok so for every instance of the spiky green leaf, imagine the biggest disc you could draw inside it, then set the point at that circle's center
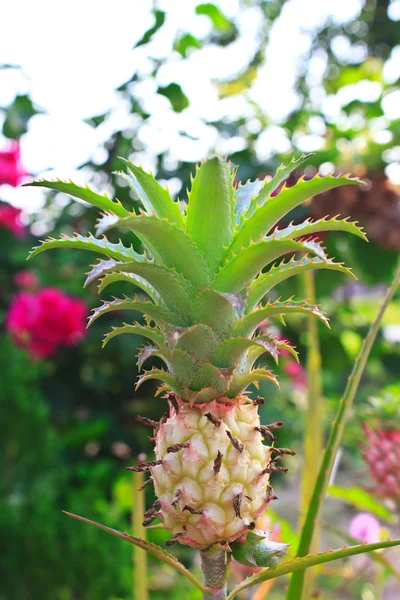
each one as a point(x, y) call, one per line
point(243, 195)
point(210, 377)
point(130, 278)
point(242, 382)
point(271, 185)
point(175, 291)
point(278, 273)
point(198, 340)
point(137, 329)
point(153, 312)
point(230, 351)
point(102, 246)
point(249, 323)
point(255, 352)
point(310, 227)
point(169, 245)
point(168, 379)
point(241, 269)
point(104, 222)
point(210, 212)
point(83, 193)
point(217, 309)
point(180, 364)
point(275, 208)
point(152, 195)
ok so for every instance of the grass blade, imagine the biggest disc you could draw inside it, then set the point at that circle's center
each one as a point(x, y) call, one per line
point(140, 587)
point(376, 556)
point(151, 548)
point(300, 564)
point(313, 434)
point(320, 489)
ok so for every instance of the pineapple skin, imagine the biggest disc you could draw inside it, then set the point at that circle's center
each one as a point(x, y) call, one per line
point(205, 498)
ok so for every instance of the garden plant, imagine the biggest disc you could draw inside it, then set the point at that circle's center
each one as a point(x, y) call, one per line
point(203, 281)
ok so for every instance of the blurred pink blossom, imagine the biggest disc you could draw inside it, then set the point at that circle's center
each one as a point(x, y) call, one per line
point(11, 169)
point(296, 372)
point(10, 217)
point(365, 527)
point(26, 280)
point(44, 320)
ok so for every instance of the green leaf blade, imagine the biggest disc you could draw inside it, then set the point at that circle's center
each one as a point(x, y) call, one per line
point(82, 193)
point(361, 500)
point(152, 195)
point(270, 186)
point(242, 382)
point(154, 312)
point(278, 273)
point(310, 227)
point(275, 208)
point(300, 564)
point(249, 323)
point(149, 547)
point(102, 246)
point(147, 332)
point(175, 291)
point(169, 244)
point(238, 272)
point(210, 212)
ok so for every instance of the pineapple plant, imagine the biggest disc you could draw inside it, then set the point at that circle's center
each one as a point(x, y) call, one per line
point(382, 448)
point(206, 276)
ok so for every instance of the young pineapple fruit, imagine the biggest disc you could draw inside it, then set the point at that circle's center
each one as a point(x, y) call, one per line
point(206, 268)
point(382, 449)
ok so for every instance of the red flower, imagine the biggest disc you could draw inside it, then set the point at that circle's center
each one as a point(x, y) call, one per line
point(10, 217)
point(296, 373)
point(45, 320)
point(11, 169)
point(26, 280)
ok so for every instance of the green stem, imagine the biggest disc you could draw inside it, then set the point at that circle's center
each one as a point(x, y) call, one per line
point(215, 572)
point(295, 591)
point(313, 435)
point(140, 587)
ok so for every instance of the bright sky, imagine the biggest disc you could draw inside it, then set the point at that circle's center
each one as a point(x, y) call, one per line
point(73, 56)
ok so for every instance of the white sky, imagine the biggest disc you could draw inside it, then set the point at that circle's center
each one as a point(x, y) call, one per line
point(73, 55)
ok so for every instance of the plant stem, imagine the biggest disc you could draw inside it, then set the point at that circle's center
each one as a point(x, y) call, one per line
point(313, 435)
point(140, 588)
point(295, 591)
point(215, 572)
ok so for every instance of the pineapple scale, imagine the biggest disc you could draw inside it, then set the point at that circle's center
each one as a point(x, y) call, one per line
point(202, 503)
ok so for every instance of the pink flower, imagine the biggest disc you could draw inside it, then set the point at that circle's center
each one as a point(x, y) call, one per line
point(10, 217)
point(11, 169)
point(296, 373)
point(365, 527)
point(26, 280)
point(44, 320)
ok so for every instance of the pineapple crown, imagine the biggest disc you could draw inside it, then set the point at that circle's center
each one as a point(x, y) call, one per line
point(206, 269)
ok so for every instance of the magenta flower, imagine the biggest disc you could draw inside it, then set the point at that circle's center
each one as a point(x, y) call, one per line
point(11, 169)
point(45, 320)
point(26, 280)
point(10, 218)
point(365, 528)
point(296, 373)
